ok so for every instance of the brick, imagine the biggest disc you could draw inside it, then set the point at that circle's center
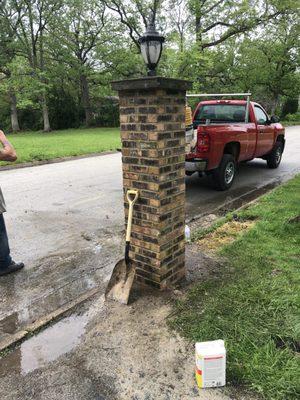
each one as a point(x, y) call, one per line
point(137, 136)
point(147, 110)
point(165, 117)
point(148, 127)
point(127, 110)
point(128, 127)
point(153, 147)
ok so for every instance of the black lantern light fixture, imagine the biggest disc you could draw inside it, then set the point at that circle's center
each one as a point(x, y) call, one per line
point(151, 47)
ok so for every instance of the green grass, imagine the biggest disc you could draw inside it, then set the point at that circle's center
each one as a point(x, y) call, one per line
point(37, 146)
point(254, 303)
point(290, 123)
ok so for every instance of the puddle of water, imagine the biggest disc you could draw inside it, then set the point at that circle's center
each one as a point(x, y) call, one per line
point(47, 346)
point(97, 249)
point(50, 344)
point(55, 341)
point(43, 305)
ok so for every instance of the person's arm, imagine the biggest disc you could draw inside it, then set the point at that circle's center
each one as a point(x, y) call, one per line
point(7, 153)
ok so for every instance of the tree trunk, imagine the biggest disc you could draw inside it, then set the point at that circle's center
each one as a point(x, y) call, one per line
point(181, 41)
point(47, 127)
point(14, 112)
point(198, 26)
point(274, 104)
point(86, 99)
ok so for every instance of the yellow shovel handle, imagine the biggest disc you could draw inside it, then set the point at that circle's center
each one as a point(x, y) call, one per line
point(132, 196)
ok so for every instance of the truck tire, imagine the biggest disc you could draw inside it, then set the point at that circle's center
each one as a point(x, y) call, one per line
point(224, 175)
point(274, 158)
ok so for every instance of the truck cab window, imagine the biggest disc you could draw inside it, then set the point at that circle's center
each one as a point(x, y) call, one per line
point(261, 116)
point(220, 113)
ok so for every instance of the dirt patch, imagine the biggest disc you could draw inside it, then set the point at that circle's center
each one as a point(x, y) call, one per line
point(287, 343)
point(203, 223)
point(294, 220)
point(224, 235)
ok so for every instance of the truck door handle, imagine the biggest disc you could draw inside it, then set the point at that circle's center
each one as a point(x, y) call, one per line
point(261, 131)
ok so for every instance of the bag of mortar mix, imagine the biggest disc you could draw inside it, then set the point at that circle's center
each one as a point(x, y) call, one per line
point(210, 364)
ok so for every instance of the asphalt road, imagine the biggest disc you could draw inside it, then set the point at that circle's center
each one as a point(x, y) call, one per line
point(50, 207)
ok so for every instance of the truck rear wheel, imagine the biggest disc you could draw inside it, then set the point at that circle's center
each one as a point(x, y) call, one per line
point(274, 158)
point(223, 176)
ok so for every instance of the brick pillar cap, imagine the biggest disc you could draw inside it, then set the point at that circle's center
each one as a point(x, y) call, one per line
point(151, 82)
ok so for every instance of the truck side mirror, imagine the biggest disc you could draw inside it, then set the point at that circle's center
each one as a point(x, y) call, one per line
point(274, 119)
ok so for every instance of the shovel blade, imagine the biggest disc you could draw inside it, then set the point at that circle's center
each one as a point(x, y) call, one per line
point(121, 281)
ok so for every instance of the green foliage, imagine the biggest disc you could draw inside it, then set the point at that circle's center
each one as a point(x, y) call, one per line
point(293, 117)
point(4, 115)
point(107, 113)
point(64, 111)
point(253, 303)
point(66, 63)
point(290, 106)
point(37, 146)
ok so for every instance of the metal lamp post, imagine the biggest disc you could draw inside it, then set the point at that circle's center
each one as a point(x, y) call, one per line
point(151, 47)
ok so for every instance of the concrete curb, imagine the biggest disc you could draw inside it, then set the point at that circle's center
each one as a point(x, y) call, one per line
point(55, 160)
point(16, 338)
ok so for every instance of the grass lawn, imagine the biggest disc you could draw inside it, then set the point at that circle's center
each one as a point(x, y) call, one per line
point(37, 146)
point(290, 123)
point(255, 302)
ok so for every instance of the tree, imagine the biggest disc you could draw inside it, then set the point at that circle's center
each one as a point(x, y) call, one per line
point(272, 69)
point(59, 56)
point(33, 17)
point(135, 15)
point(7, 50)
point(83, 26)
point(217, 21)
point(179, 20)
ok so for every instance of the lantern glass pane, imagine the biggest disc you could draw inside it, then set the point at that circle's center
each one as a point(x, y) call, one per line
point(154, 51)
point(144, 47)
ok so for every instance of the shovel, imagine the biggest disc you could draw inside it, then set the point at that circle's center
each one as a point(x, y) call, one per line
point(122, 277)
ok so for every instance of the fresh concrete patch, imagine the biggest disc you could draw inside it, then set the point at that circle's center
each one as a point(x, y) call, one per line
point(14, 339)
point(120, 353)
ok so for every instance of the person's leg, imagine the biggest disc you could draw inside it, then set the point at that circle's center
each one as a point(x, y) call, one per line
point(7, 265)
point(5, 258)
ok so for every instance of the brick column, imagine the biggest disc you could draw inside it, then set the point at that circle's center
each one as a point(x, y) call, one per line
point(153, 152)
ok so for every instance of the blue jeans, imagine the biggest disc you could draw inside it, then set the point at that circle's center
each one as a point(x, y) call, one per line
point(5, 258)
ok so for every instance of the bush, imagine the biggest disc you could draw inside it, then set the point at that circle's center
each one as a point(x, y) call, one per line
point(290, 107)
point(30, 119)
point(293, 117)
point(106, 112)
point(5, 123)
point(64, 112)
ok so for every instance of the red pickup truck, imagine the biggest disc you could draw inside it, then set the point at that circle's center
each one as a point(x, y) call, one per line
point(227, 132)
